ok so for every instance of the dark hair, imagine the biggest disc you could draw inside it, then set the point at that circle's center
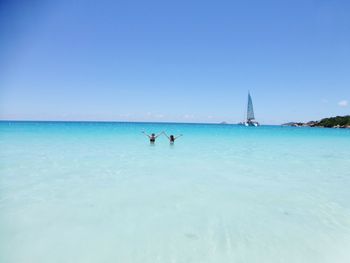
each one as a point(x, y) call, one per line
point(172, 137)
point(153, 134)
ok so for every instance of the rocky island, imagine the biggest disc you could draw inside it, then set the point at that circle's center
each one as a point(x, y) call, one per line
point(332, 122)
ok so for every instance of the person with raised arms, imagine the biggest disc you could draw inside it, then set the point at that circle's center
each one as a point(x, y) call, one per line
point(172, 138)
point(152, 137)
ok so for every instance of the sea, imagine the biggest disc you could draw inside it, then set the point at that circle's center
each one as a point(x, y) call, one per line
point(98, 192)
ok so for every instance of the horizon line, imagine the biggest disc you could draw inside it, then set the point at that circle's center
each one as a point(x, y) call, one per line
point(116, 121)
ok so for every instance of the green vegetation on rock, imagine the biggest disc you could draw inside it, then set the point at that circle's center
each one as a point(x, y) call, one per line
point(341, 121)
point(333, 122)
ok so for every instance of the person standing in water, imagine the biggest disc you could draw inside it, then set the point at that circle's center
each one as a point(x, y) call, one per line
point(152, 137)
point(172, 138)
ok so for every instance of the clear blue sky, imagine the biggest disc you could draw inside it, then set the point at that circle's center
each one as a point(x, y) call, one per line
point(190, 61)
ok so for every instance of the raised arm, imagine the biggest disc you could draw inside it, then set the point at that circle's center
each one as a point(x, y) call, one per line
point(159, 134)
point(178, 136)
point(146, 134)
point(166, 135)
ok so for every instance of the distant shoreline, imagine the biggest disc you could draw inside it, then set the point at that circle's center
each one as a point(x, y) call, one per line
point(342, 122)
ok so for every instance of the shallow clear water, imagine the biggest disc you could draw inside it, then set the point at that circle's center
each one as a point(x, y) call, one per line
point(99, 192)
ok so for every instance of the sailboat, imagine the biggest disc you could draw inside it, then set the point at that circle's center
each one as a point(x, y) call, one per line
point(250, 121)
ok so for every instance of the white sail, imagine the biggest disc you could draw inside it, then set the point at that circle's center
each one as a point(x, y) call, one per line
point(250, 109)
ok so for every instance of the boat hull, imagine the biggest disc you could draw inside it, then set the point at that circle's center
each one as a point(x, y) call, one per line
point(252, 124)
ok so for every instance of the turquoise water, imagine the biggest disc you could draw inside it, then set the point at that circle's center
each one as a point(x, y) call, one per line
point(99, 192)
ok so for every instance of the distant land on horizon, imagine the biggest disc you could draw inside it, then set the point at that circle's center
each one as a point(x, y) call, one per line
point(331, 122)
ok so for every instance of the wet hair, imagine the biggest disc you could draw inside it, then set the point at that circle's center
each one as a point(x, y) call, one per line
point(153, 134)
point(172, 138)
